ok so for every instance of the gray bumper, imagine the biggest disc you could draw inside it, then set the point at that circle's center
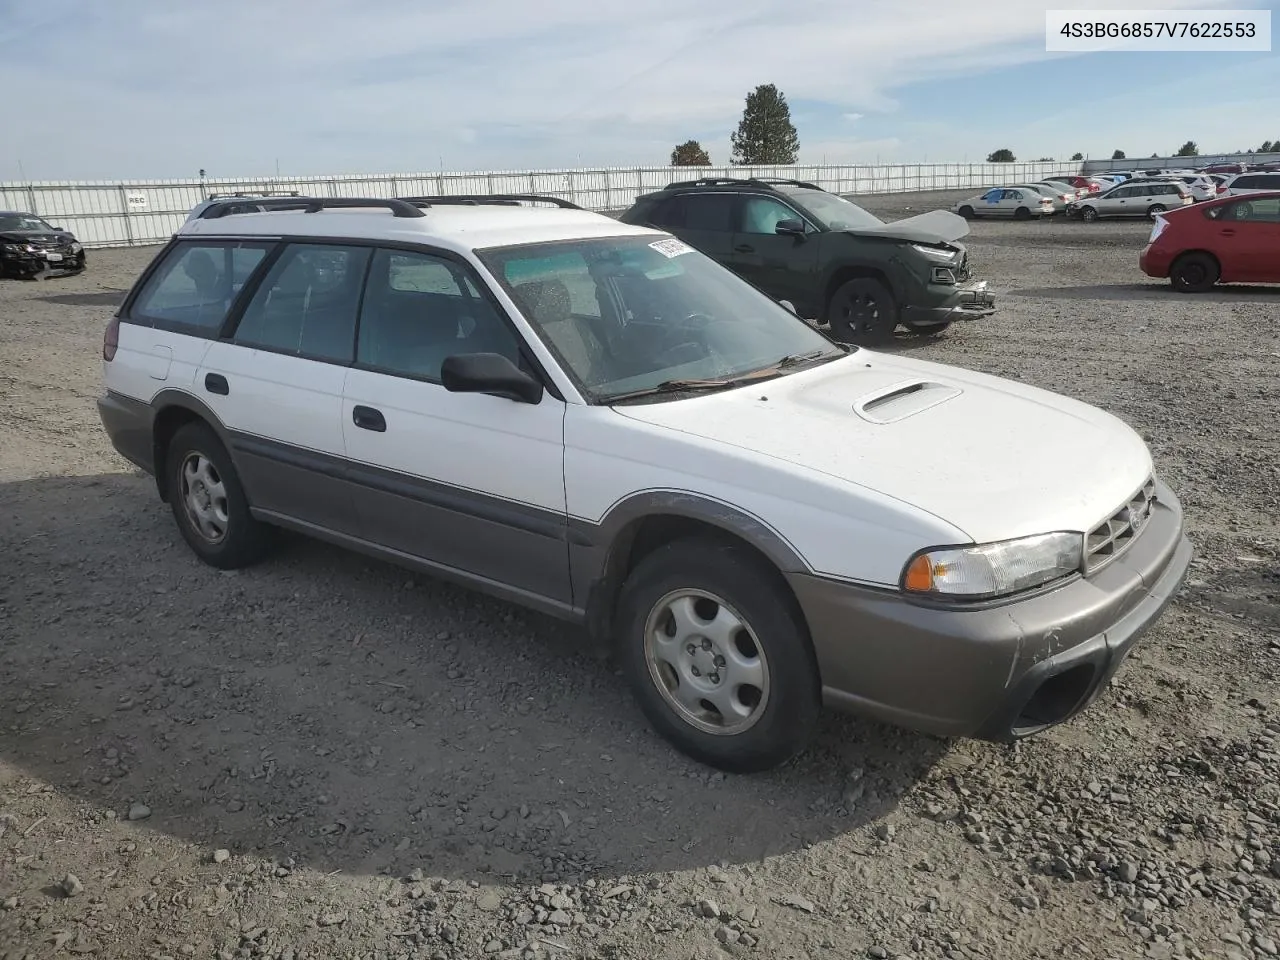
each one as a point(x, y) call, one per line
point(969, 302)
point(129, 423)
point(997, 672)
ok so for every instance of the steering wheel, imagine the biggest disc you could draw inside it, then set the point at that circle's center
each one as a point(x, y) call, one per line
point(699, 319)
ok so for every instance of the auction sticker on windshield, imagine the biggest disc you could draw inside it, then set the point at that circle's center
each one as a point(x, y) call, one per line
point(671, 248)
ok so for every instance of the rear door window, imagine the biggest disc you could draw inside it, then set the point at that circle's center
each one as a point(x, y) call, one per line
point(712, 212)
point(193, 289)
point(306, 305)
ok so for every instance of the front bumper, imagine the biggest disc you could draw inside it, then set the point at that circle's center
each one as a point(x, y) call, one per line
point(968, 302)
point(26, 263)
point(996, 672)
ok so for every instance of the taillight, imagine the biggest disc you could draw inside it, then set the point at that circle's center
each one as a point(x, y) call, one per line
point(111, 339)
point(1222, 189)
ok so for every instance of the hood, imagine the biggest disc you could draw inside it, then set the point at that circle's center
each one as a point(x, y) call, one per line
point(35, 236)
point(994, 458)
point(936, 226)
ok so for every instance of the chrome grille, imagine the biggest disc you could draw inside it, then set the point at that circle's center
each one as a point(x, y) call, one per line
point(1113, 536)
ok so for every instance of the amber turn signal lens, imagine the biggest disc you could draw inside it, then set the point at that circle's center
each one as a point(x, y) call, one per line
point(920, 575)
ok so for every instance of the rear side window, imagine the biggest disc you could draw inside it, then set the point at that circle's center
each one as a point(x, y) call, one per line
point(700, 211)
point(307, 303)
point(194, 287)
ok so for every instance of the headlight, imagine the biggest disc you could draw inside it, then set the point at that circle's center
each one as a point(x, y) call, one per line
point(994, 569)
point(935, 253)
point(11, 248)
point(76, 248)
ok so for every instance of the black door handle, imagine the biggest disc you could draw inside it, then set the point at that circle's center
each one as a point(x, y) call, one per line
point(1228, 232)
point(367, 418)
point(744, 248)
point(216, 383)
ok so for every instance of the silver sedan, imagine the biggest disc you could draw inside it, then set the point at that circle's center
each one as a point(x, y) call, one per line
point(1019, 203)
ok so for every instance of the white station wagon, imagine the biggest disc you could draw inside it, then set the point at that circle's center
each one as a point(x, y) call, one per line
point(595, 420)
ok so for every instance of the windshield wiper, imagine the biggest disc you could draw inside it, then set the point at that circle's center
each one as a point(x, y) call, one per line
point(683, 386)
point(793, 359)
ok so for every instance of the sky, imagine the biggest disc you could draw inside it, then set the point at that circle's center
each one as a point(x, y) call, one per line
point(149, 89)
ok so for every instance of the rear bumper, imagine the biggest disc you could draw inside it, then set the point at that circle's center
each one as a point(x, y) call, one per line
point(129, 424)
point(1154, 263)
point(968, 302)
point(999, 672)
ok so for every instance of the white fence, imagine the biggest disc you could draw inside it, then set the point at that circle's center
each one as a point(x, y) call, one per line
point(124, 213)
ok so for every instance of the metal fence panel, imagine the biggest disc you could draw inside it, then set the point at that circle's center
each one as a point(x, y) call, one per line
point(124, 213)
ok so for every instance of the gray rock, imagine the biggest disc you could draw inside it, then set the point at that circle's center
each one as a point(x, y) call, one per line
point(709, 908)
point(877, 953)
point(561, 918)
point(1128, 871)
point(72, 886)
point(139, 811)
point(10, 904)
point(493, 946)
point(221, 856)
point(727, 935)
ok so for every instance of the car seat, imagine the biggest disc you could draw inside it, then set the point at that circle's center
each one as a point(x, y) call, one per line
point(547, 304)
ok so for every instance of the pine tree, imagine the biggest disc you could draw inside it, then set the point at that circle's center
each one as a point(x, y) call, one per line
point(765, 134)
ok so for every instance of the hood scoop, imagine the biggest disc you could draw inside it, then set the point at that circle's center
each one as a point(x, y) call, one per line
point(902, 400)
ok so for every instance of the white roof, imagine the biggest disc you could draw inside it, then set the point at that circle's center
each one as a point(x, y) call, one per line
point(460, 228)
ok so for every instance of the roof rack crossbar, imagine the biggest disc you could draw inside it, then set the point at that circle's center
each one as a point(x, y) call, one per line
point(400, 208)
point(500, 199)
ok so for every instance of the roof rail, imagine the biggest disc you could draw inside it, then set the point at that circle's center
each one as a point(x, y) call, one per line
point(400, 208)
point(794, 183)
point(500, 199)
point(253, 193)
point(726, 181)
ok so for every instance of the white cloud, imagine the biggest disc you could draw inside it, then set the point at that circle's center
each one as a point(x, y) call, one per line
point(852, 116)
point(151, 88)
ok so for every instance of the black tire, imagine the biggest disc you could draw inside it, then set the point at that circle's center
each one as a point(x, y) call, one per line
point(966, 212)
point(1154, 209)
point(785, 711)
point(1089, 214)
point(244, 540)
point(1194, 273)
point(862, 311)
point(1022, 213)
point(928, 329)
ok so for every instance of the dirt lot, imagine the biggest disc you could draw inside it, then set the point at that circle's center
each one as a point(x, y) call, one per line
point(328, 757)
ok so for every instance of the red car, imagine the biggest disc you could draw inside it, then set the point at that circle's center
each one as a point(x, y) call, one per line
point(1227, 240)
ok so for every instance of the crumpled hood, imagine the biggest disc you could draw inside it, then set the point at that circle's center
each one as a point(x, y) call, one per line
point(936, 226)
point(34, 236)
point(994, 458)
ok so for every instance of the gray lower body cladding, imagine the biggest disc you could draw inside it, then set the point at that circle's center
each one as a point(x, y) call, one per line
point(996, 671)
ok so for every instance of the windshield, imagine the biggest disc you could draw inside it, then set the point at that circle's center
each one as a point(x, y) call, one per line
point(23, 221)
point(835, 211)
point(628, 314)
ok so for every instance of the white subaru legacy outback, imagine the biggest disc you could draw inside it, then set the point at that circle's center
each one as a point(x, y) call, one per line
point(597, 421)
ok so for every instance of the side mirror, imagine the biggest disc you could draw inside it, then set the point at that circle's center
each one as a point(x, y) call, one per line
point(490, 373)
point(793, 228)
point(790, 306)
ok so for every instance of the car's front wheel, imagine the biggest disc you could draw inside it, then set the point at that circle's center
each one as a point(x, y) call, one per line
point(718, 656)
point(1088, 213)
point(1194, 273)
point(209, 503)
point(862, 311)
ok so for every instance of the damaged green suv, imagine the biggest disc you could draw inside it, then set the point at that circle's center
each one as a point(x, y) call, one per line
point(830, 259)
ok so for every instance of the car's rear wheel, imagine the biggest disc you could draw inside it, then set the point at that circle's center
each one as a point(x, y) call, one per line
point(966, 212)
point(1194, 273)
point(1022, 213)
point(209, 503)
point(718, 656)
point(862, 311)
point(1088, 213)
point(1155, 209)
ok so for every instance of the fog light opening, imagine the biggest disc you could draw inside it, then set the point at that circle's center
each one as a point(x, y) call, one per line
point(1055, 700)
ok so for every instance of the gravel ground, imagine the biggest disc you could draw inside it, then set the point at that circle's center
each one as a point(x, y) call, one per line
point(327, 757)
